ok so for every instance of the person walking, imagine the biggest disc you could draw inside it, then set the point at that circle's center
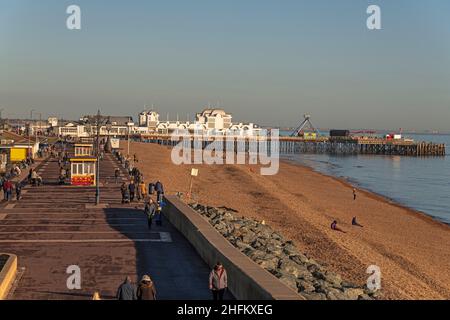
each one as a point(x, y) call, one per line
point(132, 189)
point(146, 289)
point(7, 189)
point(18, 191)
point(123, 190)
point(354, 194)
point(218, 281)
point(159, 191)
point(126, 290)
point(142, 190)
point(150, 211)
point(116, 175)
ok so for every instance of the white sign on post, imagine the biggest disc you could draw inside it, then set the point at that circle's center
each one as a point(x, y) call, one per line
point(194, 172)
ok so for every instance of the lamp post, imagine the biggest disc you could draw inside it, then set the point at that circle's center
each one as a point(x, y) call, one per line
point(108, 140)
point(97, 170)
point(29, 128)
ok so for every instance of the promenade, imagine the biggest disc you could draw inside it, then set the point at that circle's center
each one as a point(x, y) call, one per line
point(53, 227)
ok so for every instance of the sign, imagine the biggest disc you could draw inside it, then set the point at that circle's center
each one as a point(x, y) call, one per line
point(115, 143)
point(194, 172)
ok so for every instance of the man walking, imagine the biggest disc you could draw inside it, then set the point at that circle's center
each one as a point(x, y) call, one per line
point(159, 190)
point(18, 190)
point(218, 281)
point(132, 189)
point(126, 290)
point(116, 175)
point(150, 210)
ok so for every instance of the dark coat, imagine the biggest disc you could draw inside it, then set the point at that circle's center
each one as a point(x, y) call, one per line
point(126, 291)
point(146, 291)
point(159, 187)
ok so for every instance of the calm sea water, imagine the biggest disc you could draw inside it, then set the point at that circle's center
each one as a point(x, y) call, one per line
point(419, 183)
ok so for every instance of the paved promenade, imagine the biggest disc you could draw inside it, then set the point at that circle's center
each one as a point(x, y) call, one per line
point(54, 226)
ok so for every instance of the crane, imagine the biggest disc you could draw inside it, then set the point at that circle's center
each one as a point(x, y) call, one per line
point(306, 123)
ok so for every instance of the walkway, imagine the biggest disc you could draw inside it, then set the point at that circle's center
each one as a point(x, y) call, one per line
point(54, 227)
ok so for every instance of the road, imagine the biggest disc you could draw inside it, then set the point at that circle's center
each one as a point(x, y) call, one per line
point(53, 227)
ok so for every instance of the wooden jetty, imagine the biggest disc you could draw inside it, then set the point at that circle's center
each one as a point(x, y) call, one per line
point(338, 145)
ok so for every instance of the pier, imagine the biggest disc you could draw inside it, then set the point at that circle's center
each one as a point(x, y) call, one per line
point(324, 145)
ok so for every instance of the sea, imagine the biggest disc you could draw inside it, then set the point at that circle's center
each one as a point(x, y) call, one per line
point(420, 183)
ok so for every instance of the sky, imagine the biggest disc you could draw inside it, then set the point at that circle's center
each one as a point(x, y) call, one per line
point(266, 62)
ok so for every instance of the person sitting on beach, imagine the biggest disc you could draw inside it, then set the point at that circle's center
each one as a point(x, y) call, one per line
point(355, 223)
point(335, 227)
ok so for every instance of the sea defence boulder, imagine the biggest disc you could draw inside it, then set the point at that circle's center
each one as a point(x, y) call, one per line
point(246, 279)
point(280, 257)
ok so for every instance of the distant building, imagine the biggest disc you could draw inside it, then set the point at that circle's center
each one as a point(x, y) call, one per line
point(149, 119)
point(216, 119)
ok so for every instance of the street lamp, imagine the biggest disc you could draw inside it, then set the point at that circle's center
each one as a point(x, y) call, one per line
point(108, 140)
point(129, 125)
point(29, 128)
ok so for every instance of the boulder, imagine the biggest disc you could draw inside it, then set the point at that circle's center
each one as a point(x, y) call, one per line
point(314, 296)
point(300, 259)
point(305, 286)
point(289, 280)
point(290, 267)
point(334, 279)
point(268, 264)
point(290, 250)
point(353, 293)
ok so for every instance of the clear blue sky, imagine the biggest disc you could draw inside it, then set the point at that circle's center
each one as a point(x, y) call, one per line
point(265, 61)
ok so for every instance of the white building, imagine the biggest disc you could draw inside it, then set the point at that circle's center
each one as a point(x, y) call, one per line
point(149, 119)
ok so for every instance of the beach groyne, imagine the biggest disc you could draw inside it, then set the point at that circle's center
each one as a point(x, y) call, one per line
point(246, 280)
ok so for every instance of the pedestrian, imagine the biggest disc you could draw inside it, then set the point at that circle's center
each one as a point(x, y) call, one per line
point(150, 211)
point(123, 190)
point(126, 290)
point(354, 194)
point(158, 215)
point(159, 191)
point(142, 190)
point(116, 175)
point(132, 190)
point(7, 189)
point(151, 188)
point(18, 190)
point(218, 281)
point(146, 289)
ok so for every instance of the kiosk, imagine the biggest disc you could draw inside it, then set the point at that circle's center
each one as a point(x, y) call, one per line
point(83, 165)
point(83, 171)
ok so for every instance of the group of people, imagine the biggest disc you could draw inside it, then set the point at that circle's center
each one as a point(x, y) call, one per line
point(9, 188)
point(146, 290)
point(355, 222)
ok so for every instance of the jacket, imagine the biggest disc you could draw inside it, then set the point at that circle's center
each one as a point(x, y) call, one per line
point(218, 280)
point(126, 291)
point(146, 291)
